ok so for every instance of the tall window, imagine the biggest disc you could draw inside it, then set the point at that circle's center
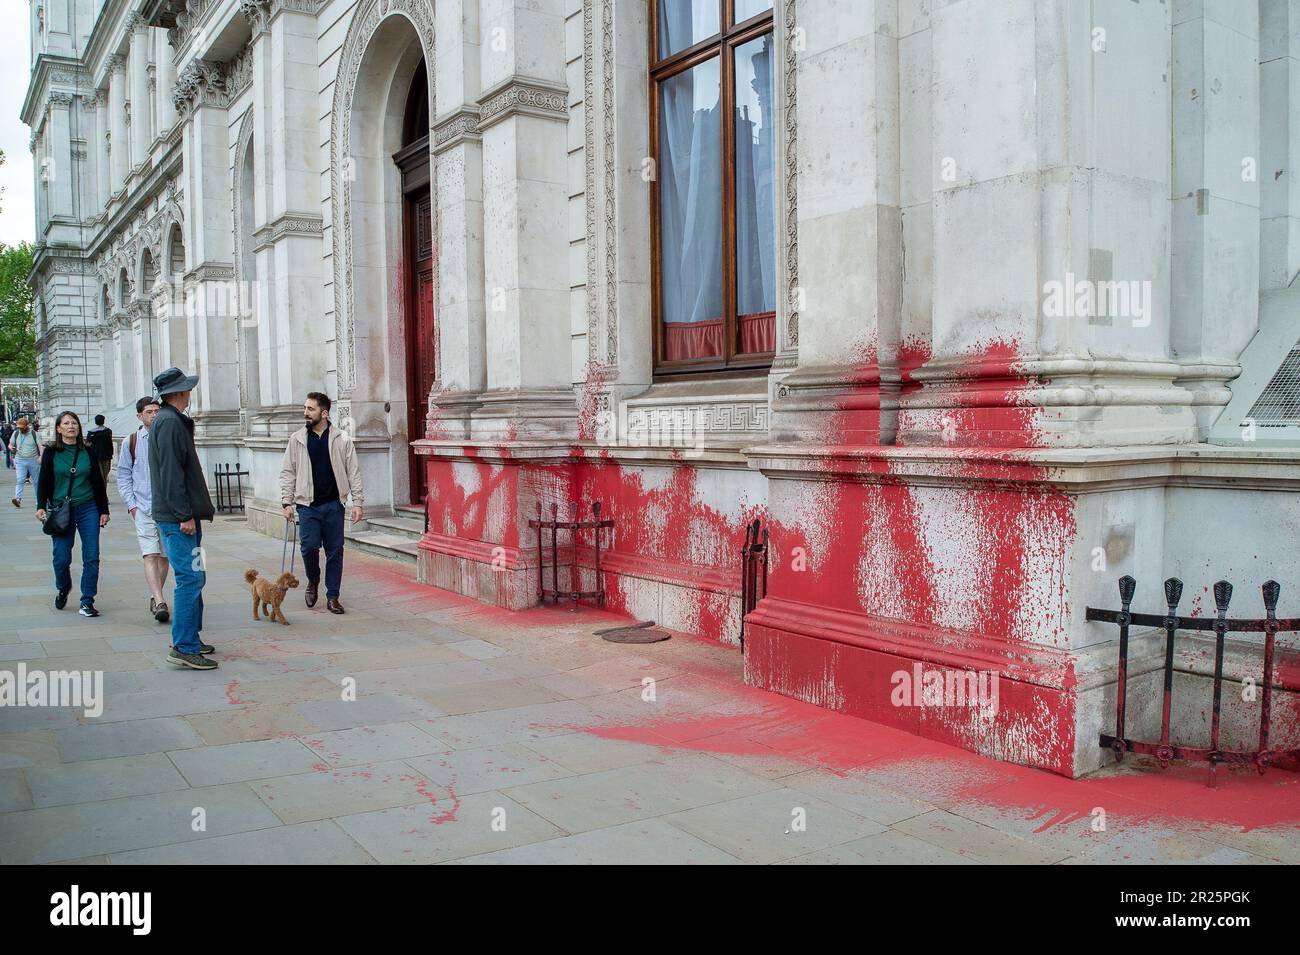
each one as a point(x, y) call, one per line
point(714, 207)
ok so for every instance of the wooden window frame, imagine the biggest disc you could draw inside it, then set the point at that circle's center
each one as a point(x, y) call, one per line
point(722, 45)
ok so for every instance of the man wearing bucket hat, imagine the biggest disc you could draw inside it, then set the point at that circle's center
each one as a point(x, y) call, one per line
point(180, 502)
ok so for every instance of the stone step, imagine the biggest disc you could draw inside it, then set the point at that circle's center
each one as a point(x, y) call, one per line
point(414, 511)
point(402, 526)
point(380, 544)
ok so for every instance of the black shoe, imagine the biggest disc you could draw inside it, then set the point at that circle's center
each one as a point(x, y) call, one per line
point(332, 605)
point(192, 660)
point(159, 611)
point(88, 610)
point(310, 594)
point(206, 648)
point(60, 600)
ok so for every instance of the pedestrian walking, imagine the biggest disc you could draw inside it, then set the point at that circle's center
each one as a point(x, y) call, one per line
point(133, 485)
point(26, 448)
point(7, 432)
point(71, 502)
point(180, 502)
point(320, 467)
point(100, 440)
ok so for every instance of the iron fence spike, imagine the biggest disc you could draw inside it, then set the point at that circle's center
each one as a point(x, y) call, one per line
point(1127, 587)
point(1272, 591)
point(1222, 595)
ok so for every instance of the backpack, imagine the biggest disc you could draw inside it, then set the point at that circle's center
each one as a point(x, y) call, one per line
point(134, 435)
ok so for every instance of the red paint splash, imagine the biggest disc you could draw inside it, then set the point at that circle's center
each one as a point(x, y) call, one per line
point(422, 787)
point(231, 687)
point(933, 771)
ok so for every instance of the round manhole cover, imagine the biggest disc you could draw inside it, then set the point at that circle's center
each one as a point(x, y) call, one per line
point(637, 633)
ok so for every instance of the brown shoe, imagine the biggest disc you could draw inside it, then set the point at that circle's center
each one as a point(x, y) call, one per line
point(310, 594)
point(17, 503)
point(332, 605)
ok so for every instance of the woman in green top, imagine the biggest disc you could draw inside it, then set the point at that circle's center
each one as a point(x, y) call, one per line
point(68, 472)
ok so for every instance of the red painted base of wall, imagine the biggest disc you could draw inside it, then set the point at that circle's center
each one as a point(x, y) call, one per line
point(856, 664)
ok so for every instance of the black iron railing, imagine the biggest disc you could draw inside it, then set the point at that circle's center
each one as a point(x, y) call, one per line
point(1221, 625)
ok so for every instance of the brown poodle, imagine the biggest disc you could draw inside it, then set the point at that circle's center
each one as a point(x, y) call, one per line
point(269, 595)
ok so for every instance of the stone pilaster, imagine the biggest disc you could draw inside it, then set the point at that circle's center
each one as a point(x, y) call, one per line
point(849, 234)
point(1215, 192)
point(119, 145)
point(457, 148)
point(523, 124)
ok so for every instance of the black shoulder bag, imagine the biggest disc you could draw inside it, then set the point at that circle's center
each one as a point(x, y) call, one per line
point(58, 519)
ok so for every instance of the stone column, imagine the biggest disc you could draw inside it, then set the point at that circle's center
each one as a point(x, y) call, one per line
point(845, 386)
point(458, 158)
point(1279, 183)
point(103, 172)
point(59, 171)
point(524, 116)
point(141, 104)
point(166, 80)
point(1050, 296)
point(120, 157)
point(211, 306)
point(1215, 195)
point(290, 238)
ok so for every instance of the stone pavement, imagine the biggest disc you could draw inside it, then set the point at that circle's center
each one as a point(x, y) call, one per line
point(477, 735)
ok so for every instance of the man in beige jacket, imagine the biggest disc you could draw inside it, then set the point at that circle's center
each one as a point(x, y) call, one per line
point(318, 471)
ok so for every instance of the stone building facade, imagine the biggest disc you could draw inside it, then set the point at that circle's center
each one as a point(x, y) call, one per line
point(952, 302)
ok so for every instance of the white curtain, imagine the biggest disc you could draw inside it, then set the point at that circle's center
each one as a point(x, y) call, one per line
point(691, 198)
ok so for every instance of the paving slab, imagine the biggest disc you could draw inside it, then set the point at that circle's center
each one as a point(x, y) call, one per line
point(309, 843)
point(673, 784)
point(492, 767)
point(261, 759)
point(346, 790)
point(129, 738)
point(99, 779)
point(134, 822)
point(886, 848)
point(367, 744)
point(644, 842)
point(450, 829)
point(365, 710)
point(773, 826)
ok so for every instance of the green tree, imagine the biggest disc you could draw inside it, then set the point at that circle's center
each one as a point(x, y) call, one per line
point(17, 312)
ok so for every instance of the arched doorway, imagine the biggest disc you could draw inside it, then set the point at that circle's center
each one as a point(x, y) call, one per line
point(384, 238)
point(417, 268)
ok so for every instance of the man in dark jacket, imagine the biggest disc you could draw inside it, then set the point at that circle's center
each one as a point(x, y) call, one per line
point(100, 440)
point(180, 502)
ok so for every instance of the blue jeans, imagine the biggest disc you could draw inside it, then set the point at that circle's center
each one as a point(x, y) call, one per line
point(85, 521)
point(184, 554)
point(319, 524)
point(27, 467)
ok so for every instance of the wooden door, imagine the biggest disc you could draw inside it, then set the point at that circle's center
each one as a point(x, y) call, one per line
point(421, 330)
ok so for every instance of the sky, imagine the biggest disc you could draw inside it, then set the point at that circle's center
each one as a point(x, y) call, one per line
point(17, 211)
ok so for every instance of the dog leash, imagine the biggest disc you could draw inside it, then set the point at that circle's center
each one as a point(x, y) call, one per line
point(291, 553)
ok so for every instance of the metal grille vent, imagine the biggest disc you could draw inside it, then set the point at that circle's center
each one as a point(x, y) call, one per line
point(1278, 405)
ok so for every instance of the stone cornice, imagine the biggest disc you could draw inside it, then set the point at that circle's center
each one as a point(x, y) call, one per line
point(523, 95)
point(291, 223)
point(1081, 470)
point(211, 272)
point(458, 126)
point(48, 71)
